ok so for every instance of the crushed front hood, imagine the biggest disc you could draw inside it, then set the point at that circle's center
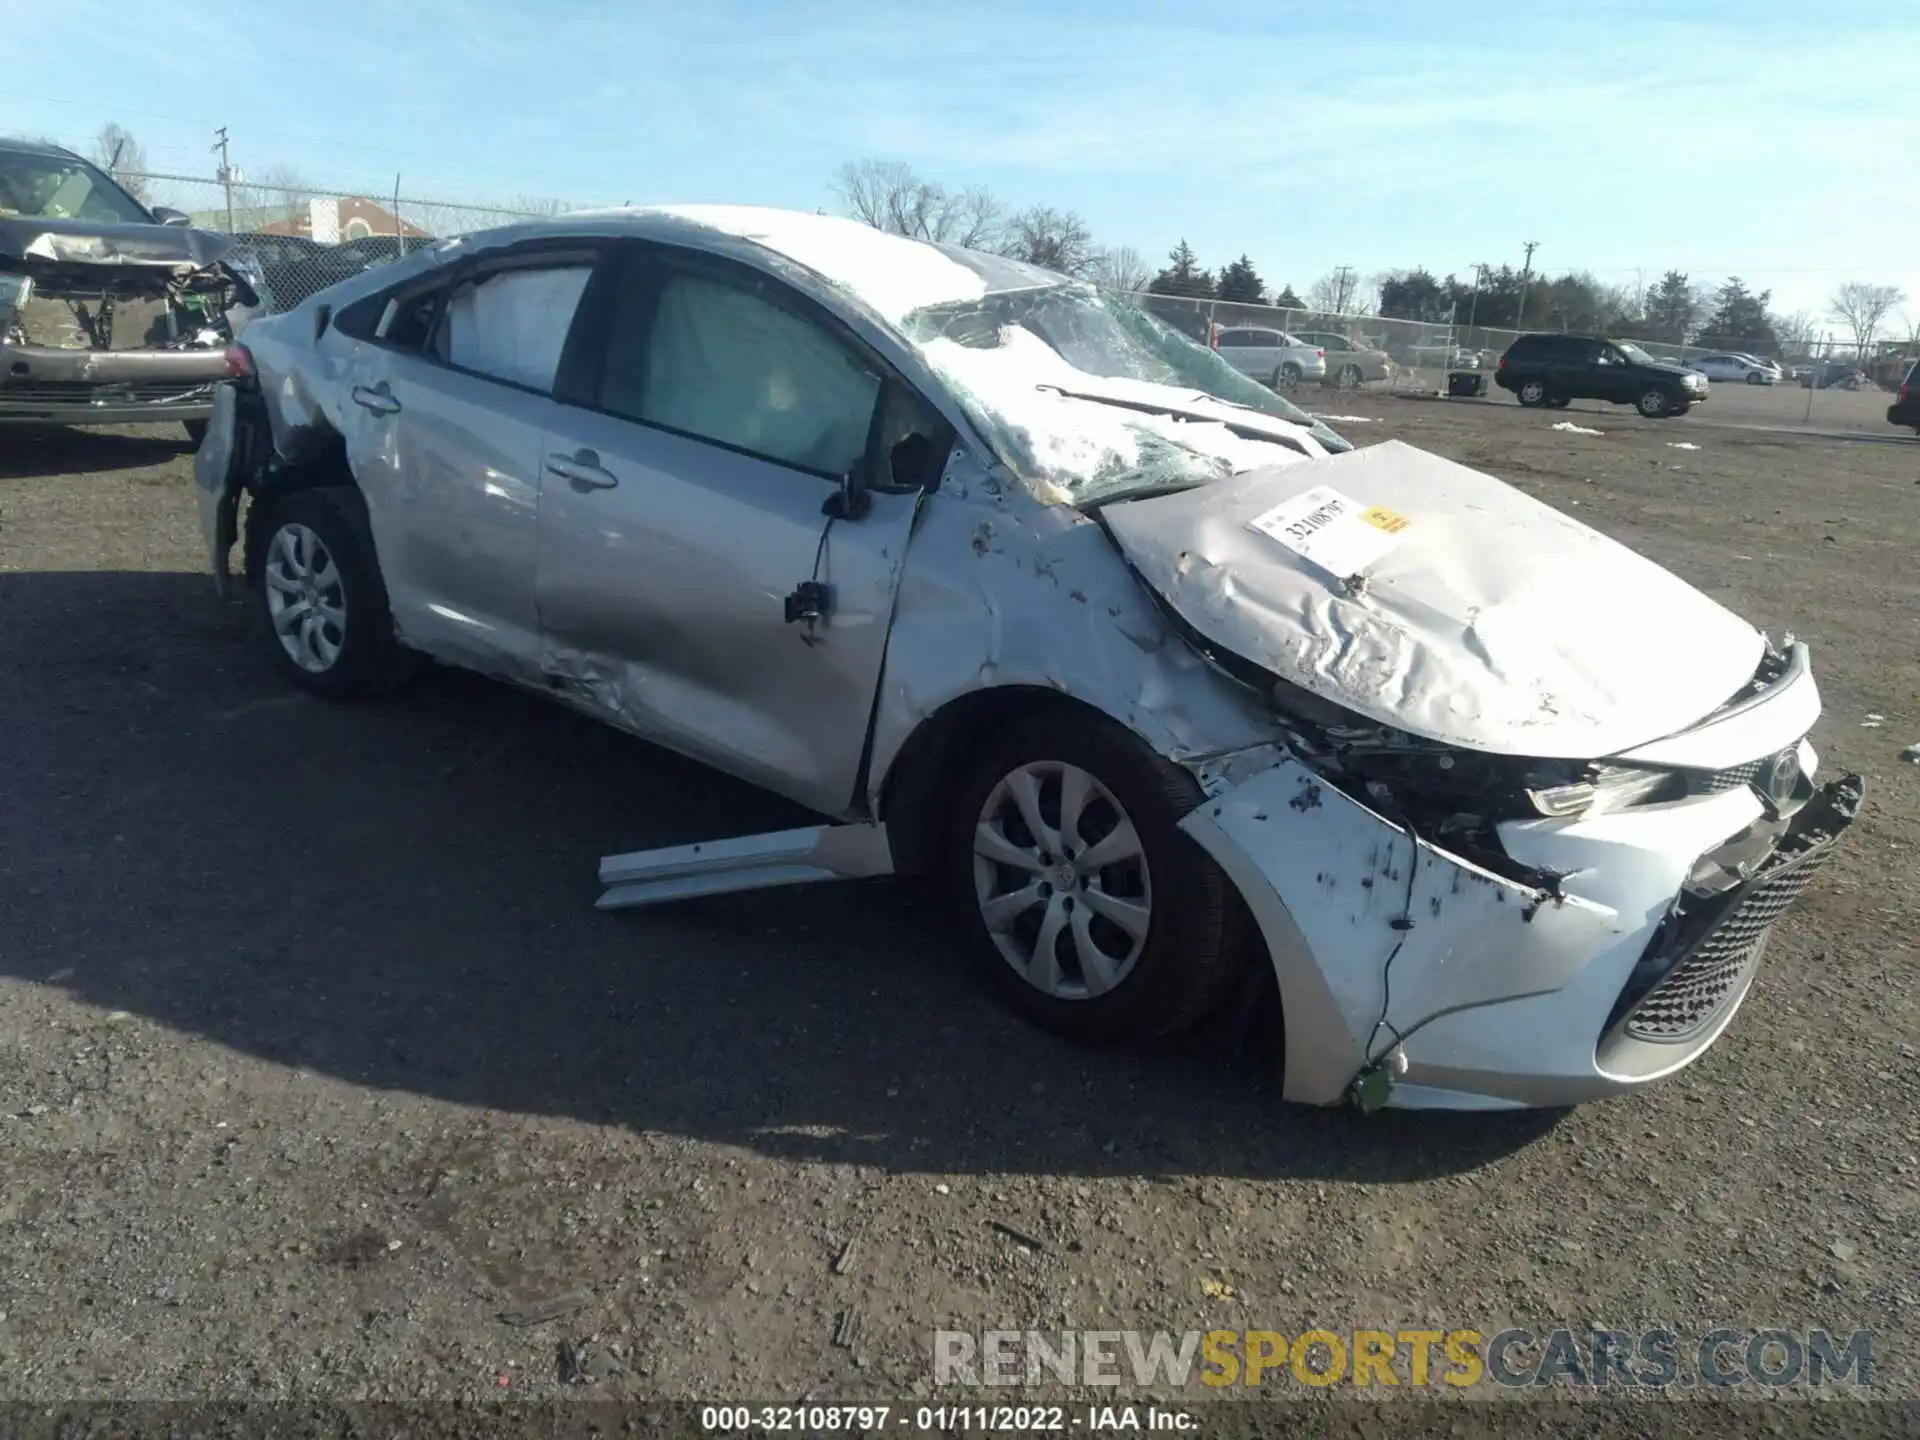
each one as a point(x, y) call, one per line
point(87, 242)
point(1441, 601)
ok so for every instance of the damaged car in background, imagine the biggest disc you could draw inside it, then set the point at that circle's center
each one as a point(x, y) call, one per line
point(109, 313)
point(1181, 697)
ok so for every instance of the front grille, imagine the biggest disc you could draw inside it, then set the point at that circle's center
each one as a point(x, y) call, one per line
point(81, 392)
point(1713, 782)
point(1704, 952)
point(1693, 992)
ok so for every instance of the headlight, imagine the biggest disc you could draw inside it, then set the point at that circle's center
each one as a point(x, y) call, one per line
point(1610, 787)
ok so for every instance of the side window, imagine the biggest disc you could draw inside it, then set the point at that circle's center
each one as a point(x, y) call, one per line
point(512, 324)
point(722, 363)
point(1232, 339)
point(401, 318)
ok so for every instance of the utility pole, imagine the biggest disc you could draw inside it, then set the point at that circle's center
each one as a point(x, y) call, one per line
point(225, 173)
point(1473, 306)
point(1526, 274)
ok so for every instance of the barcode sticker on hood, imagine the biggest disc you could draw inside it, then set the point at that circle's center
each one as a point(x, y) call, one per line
point(1338, 534)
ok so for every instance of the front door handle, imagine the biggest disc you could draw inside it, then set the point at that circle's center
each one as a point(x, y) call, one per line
point(377, 398)
point(583, 471)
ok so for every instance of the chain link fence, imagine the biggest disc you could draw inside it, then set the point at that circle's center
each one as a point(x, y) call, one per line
point(305, 239)
point(1314, 351)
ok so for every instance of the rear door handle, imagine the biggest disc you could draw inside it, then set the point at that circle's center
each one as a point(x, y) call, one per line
point(583, 471)
point(377, 398)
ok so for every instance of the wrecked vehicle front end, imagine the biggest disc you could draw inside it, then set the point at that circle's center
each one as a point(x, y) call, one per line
point(114, 324)
point(1538, 802)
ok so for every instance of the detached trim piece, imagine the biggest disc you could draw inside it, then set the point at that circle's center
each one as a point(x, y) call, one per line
point(751, 862)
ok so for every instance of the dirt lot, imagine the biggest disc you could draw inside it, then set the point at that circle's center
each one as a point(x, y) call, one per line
point(315, 1058)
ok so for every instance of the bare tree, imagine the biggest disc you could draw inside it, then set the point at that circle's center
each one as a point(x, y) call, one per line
point(1797, 332)
point(1052, 239)
point(1121, 268)
point(888, 195)
point(119, 154)
point(1861, 307)
point(1336, 293)
point(277, 193)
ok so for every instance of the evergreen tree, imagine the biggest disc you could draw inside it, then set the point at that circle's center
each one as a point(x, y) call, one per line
point(1241, 283)
point(1739, 321)
point(1671, 310)
point(1183, 276)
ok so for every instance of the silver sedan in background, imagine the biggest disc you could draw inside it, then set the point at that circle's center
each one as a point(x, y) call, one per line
point(1176, 693)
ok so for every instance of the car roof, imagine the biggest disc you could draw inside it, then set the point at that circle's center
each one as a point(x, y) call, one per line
point(893, 274)
point(38, 147)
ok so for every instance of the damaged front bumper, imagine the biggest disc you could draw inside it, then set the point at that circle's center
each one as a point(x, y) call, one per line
point(1593, 964)
point(42, 384)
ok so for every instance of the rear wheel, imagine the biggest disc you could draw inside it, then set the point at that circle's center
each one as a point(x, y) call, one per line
point(1655, 403)
point(1091, 911)
point(196, 431)
point(324, 605)
point(1559, 402)
point(1534, 392)
point(1349, 377)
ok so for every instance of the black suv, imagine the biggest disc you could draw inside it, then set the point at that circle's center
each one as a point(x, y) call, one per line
point(1555, 369)
point(1905, 409)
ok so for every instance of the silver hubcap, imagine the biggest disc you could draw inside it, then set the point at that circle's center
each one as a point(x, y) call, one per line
point(1653, 402)
point(1061, 880)
point(1532, 390)
point(305, 599)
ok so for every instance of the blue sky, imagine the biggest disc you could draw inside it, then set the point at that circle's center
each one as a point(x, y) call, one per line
point(1774, 141)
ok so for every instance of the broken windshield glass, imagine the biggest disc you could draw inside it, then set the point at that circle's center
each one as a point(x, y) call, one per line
point(1088, 393)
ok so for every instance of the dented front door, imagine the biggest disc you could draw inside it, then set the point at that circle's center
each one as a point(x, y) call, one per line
point(682, 515)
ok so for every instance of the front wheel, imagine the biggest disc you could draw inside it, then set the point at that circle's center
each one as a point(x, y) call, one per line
point(324, 605)
point(1287, 377)
point(1754, 377)
point(1655, 403)
point(1091, 911)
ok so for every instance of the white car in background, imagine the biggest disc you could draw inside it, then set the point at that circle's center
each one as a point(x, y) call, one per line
point(1273, 356)
point(1740, 368)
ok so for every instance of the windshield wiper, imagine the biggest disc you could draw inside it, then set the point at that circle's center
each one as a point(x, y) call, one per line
point(1154, 407)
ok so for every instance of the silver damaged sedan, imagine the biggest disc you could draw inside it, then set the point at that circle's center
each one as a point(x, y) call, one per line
point(1168, 684)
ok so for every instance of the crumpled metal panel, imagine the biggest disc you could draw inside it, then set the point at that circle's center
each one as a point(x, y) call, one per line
point(1001, 590)
point(1489, 620)
point(87, 242)
point(1373, 932)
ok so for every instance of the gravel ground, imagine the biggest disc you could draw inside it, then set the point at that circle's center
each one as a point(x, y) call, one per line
point(320, 1077)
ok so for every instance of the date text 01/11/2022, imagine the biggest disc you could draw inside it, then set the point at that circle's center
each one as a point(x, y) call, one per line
point(942, 1419)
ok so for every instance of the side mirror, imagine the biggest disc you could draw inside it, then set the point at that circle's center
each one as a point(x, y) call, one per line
point(909, 460)
point(165, 215)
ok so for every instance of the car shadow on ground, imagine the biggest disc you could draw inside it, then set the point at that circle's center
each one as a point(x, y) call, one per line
point(30, 451)
point(400, 895)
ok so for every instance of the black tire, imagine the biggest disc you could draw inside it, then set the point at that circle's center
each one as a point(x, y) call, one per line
point(1533, 392)
point(1287, 377)
point(368, 660)
point(1657, 404)
point(1349, 378)
point(1754, 377)
point(1195, 944)
point(196, 431)
point(1559, 402)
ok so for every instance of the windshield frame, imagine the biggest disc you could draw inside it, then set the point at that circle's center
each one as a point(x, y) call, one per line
point(1175, 360)
point(126, 210)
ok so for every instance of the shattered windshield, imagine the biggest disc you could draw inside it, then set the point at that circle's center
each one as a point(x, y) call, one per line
point(1089, 393)
point(54, 187)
